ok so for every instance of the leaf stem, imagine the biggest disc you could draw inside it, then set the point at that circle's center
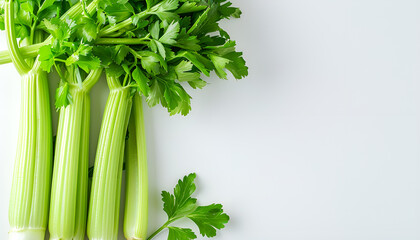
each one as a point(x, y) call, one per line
point(162, 228)
point(129, 21)
point(158, 231)
point(16, 57)
point(60, 74)
point(126, 41)
point(32, 50)
point(84, 9)
point(92, 79)
point(116, 27)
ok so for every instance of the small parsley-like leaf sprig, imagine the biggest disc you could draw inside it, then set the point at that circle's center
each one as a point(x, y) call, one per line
point(70, 53)
point(181, 205)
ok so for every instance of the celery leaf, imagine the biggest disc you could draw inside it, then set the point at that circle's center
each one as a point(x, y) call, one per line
point(181, 204)
point(176, 233)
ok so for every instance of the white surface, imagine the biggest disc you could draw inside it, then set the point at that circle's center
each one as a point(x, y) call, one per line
point(320, 142)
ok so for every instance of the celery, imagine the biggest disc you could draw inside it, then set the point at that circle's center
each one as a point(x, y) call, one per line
point(151, 48)
point(29, 198)
point(136, 202)
point(106, 183)
point(69, 193)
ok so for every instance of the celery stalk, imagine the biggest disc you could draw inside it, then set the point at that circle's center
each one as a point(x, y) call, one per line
point(29, 198)
point(106, 183)
point(69, 192)
point(136, 203)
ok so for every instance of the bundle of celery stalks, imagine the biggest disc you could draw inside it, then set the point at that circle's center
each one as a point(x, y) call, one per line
point(149, 50)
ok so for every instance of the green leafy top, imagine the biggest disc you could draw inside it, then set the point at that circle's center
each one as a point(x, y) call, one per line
point(177, 43)
point(155, 47)
point(30, 13)
point(181, 204)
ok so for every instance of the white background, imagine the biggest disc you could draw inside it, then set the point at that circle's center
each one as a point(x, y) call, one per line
point(320, 142)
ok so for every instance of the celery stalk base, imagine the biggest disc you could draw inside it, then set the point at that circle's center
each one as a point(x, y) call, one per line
point(27, 234)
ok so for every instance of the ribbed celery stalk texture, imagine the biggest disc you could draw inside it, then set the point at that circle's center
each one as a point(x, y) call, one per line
point(29, 198)
point(106, 183)
point(69, 192)
point(136, 201)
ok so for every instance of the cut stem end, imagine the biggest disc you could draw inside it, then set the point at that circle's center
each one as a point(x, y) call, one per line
point(27, 234)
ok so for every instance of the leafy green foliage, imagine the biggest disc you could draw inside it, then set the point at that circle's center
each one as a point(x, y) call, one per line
point(181, 204)
point(157, 47)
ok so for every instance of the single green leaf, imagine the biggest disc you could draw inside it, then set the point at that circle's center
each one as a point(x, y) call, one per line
point(62, 95)
point(154, 30)
point(184, 74)
point(22, 31)
point(184, 189)
point(104, 53)
point(200, 21)
point(188, 42)
point(49, 12)
point(160, 48)
point(24, 18)
point(226, 11)
point(88, 63)
point(153, 46)
point(219, 64)
point(189, 7)
point(154, 98)
point(167, 16)
point(172, 100)
point(184, 107)
point(237, 65)
point(198, 83)
point(142, 81)
point(88, 29)
point(171, 33)
point(151, 64)
point(149, 61)
point(46, 57)
point(118, 12)
point(28, 6)
point(166, 5)
point(176, 233)
point(46, 4)
point(181, 203)
point(114, 70)
point(209, 218)
point(121, 53)
point(196, 59)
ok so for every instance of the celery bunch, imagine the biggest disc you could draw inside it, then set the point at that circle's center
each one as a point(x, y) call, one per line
point(150, 50)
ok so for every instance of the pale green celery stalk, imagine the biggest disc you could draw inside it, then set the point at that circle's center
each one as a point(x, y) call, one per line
point(69, 191)
point(29, 197)
point(106, 183)
point(26, 51)
point(136, 202)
